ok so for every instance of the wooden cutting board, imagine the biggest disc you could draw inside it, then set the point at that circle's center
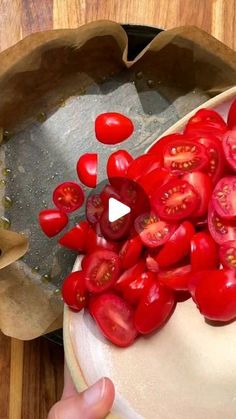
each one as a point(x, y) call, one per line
point(31, 373)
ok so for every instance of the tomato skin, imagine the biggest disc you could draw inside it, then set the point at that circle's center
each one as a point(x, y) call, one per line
point(118, 164)
point(154, 309)
point(221, 230)
point(113, 128)
point(169, 199)
point(115, 230)
point(68, 196)
point(74, 291)
point(231, 121)
point(143, 165)
point(130, 252)
point(158, 147)
point(204, 252)
point(181, 156)
point(94, 208)
point(75, 239)
point(115, 318)
point(138, 287)
point(206, 117)
point(177, 247)
point(229, 146)
point(228, 254)
point(95, 241)
point(87, 166)
point(52, 221)
point(176, 279)
point(214, 292)
point(202, 183)
point(152, 231)
point(103, 262)
point(127, 276)
point(153, 180)
point(223, 197)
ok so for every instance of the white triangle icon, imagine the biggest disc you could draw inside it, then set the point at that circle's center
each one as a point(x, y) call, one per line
point(116, 209)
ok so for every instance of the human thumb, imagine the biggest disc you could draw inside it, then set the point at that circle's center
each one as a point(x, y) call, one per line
point(93, 403)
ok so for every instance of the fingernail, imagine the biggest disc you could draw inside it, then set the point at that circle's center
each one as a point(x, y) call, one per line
point(95, 393)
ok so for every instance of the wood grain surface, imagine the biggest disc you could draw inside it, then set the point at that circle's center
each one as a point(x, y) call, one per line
point(31, 373)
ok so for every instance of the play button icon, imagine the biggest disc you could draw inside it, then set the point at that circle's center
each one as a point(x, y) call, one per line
point(116, 210)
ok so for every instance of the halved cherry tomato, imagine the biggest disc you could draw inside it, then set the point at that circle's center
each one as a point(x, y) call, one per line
point(108, 192)
point(176, 279)
point(115, 318)
point(68, 196)
point(214, 292)
point(113, 128)
point(118, 164)
point(154, 309)
point(206, 117)
point(177, 247)
point(221, 230)
point(154, 180)
point(202, 183)
point(214, 151)
point(75, 239)
point(224, 197)
point(175, 200)
point(130, 252)
point(87, 167)
point(128, 276)
point(231, 121)
point(228, 254)
point(74, 291)
point(182, 156)
point(133, 195)
point(115, 230)
point(151, 263)
point(153, 231)
point(102, 270)
point(52, 221)
point(94, 208)
point(158, 147)
point(229, 146)
point(138, 287)
point(204, 252)
point(143, 165)
point(95, 241)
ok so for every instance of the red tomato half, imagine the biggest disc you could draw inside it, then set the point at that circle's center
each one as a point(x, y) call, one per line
point(215, 294)
point(95, 241)
point(204, 252)
point(143, 165)
point(74, 291)
point(102, 270)
point(177, 247)
point(94, 208)
point(118, 164)
point(152, 231)
point(68, 196)
point(75, 239)
point(115, 318)
point(229, 146)
point(113, 128)
point(52, 221)
point(182, 156)
point(175, 200)
point(130, 252)
point(115, 230)
point(154, 309)
point(176, 279)
point(158, 147)
point(206, 117)
point(232, 116)
point(202, 183)
point(224, 198)
point(87, 167)
point(228, 254)
point(138, 287)
point(128, 276)
point(221, 230)
point(154, 180)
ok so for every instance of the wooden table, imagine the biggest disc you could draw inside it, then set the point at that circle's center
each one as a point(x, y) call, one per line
point(31, 373)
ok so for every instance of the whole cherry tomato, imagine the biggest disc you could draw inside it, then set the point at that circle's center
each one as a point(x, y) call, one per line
point(113, 128)
point(52, 221)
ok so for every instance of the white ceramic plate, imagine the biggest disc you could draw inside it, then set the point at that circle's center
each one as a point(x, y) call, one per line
point(186, 371)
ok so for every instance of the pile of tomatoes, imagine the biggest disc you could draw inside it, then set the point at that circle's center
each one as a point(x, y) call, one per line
point(137, 268)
